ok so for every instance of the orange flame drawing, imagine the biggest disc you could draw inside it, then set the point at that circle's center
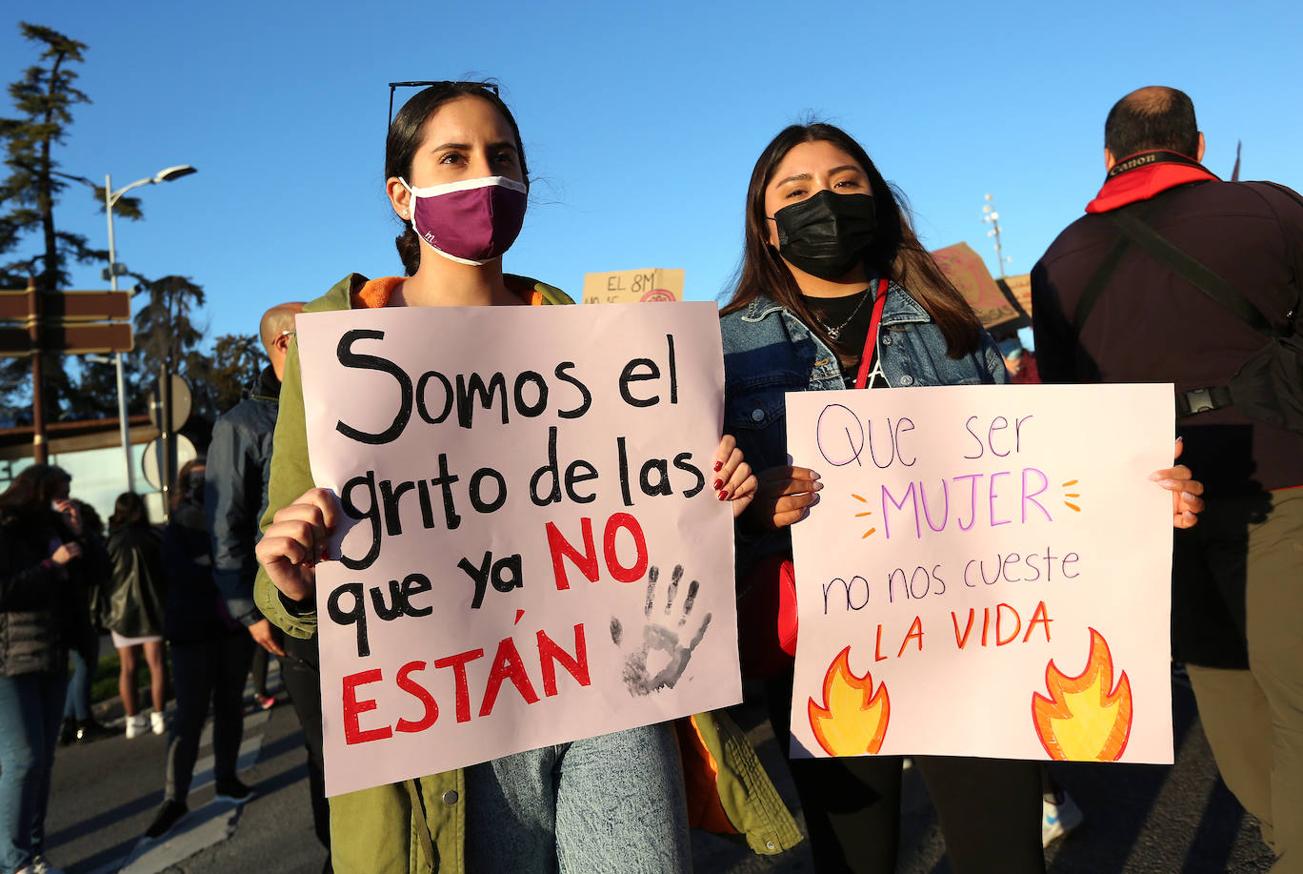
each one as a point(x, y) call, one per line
point(1082, 720)
point(851, 721)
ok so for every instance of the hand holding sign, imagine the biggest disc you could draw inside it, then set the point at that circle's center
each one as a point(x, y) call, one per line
point(296, 540)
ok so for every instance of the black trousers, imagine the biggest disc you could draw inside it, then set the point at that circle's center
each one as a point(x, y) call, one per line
point(204, 673)
point(301, 672)
point(990, 809)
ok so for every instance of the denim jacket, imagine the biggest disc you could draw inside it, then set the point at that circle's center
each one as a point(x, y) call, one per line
point(768, 351)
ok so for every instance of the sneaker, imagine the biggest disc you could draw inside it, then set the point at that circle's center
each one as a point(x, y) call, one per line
point(137, 725)
point(266, 702)
point(168, 816)
point(41, 865)
point(157, 723)
point(89, 730)
point(233, 790)
point(67, 731)
point(1059, 815)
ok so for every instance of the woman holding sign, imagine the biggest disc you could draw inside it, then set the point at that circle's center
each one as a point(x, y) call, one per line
point(456, 173)
point(836, 291)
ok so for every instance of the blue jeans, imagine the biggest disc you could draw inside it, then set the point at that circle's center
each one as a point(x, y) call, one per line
point(613, 803)
point(30, 705)
point(85, 658)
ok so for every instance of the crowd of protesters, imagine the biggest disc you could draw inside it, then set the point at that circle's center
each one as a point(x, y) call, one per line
point(835, 291)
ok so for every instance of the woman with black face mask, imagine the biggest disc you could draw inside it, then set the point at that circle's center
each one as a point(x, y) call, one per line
point(835, 292)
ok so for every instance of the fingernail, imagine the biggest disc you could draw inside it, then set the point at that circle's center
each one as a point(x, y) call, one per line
point(717, 485)
point(719, 465)
point(723, 495)
point(1180, 439)
point(1170, 484)
point(1155, 477)
point(815, 475)
point(816, 487)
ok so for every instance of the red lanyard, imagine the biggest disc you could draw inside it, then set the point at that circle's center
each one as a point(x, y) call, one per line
point(871, 339)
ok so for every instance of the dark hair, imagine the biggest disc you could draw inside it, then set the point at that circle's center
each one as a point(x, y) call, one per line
point(404, 140)
point(129, 510)
point(1152, 118)
point(185, 488)
point(895, 253)
point(31, 491)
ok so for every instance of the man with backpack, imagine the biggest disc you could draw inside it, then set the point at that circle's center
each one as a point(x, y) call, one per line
point(1176, 276)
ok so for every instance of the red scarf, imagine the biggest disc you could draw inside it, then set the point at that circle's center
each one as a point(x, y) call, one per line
point(1145, 175)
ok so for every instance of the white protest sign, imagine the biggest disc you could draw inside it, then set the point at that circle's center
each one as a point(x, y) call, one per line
point(987, 573)
point(532, 551)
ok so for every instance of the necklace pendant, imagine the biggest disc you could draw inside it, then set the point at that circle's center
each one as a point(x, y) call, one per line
point(834, 333)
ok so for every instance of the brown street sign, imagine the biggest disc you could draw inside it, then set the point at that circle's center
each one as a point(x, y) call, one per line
point(68, 339)
point(67, 306)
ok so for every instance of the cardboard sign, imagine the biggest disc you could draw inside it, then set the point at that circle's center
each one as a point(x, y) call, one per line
point(987, 573)
point(966, 269)
point(530, 553)
point(654, 285)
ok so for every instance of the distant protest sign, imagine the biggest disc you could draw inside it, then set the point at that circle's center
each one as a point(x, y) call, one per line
point(986, 573)
point(966, 269)
point(653, 285)
point(530, 552)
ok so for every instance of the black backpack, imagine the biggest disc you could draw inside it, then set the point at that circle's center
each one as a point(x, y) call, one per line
point(1269, 386)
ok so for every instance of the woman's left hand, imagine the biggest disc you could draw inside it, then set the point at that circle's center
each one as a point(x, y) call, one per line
point(1186, 503)
point(732, 479)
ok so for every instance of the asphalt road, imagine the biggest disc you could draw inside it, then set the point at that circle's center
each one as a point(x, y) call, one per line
point(1138, 818)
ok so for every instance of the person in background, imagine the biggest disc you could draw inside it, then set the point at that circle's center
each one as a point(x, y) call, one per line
point(1019, 361)
point(210, 656)
point(1173, 275)
point(136, 607)
point(79, 723)
point(39, 561)
point(239, 463)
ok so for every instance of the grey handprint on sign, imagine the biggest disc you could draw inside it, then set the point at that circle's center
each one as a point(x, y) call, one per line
point(663, 636)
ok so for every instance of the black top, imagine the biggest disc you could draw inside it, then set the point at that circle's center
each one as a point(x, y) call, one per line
point(849, 318)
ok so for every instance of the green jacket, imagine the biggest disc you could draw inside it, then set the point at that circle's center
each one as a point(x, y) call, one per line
point(375, 830)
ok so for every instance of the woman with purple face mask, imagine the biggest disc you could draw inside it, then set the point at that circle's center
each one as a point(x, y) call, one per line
point(456, 176)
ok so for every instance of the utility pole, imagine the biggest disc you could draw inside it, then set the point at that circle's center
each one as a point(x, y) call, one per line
point(992, 218)
point(40, 448)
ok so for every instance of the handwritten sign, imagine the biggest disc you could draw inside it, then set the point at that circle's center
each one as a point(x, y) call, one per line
point(655, 285)
point(966, 269)
point(531, 553)
point(986, 573)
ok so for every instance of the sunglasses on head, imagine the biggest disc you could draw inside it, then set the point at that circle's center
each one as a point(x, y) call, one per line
point(393, 86)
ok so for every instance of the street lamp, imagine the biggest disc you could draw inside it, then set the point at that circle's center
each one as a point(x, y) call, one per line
point(111, 198)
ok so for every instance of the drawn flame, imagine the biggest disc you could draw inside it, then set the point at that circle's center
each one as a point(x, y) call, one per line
point(1083, 720)
point(853, 719)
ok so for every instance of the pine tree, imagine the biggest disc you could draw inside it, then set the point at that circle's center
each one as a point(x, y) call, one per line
point(44, 99)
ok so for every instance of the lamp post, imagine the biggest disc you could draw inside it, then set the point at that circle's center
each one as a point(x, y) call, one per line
point(111, 198)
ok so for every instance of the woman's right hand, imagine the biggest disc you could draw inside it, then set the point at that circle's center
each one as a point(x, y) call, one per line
point(296, 540)
point(66, 553)
point(784, 495)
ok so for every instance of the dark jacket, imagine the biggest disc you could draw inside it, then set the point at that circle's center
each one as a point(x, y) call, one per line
point(1150, 325)
point(239, 466)
point(137, 598)
point(195, 609)
point(37, 614)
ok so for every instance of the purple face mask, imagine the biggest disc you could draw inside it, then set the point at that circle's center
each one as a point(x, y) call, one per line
point(472, 221)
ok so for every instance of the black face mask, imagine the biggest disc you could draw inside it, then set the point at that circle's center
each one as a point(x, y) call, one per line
point(825, 235)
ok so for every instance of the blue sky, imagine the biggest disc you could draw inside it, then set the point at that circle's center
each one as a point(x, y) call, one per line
point(641, 121)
